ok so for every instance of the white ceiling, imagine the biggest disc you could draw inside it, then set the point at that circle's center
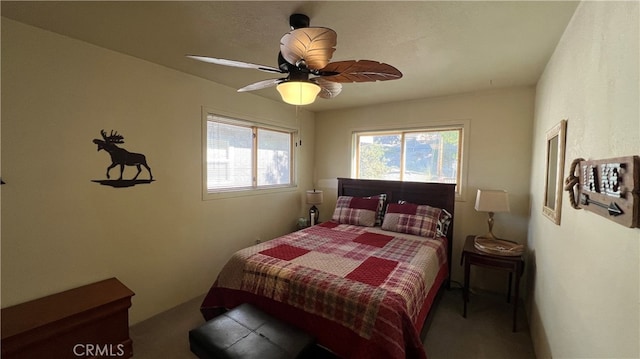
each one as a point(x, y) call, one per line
point(441, 47)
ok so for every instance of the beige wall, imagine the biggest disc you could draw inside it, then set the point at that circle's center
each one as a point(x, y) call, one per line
point(60, 230)
point(499, 151)
point(586, 279)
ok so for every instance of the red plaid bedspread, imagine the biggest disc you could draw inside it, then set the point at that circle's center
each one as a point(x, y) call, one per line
point(373, 282)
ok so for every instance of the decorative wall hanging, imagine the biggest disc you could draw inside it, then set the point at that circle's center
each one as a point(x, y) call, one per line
point(572, 183)
point(121, 157)
point(608, 187)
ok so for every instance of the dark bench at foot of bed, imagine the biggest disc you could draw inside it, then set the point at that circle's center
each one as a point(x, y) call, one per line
point(246, 332)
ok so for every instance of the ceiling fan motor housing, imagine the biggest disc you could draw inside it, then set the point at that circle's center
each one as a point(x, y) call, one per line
point(297, 74)
point(297, 21)
point(282, 63)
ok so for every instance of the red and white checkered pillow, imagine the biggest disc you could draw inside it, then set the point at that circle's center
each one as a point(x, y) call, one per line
point(421, 220)
point(356, 210)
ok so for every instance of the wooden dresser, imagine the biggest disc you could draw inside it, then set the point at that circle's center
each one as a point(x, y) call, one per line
point(91, 321)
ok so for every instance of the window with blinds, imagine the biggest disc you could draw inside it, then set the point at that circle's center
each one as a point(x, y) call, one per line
point(243, 155)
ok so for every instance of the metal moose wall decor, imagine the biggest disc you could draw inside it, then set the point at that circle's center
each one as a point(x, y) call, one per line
point(609, 188)
point(121, 157)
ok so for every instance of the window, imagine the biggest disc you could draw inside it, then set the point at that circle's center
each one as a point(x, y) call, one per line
point(243, 155)
point(420, 155)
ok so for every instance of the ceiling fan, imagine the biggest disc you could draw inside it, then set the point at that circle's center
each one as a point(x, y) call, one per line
point(304, 55)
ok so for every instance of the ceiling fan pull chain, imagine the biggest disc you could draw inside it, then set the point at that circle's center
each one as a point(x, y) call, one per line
point(299, 128)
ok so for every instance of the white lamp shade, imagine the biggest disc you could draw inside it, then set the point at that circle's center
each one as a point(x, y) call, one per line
point(492, 201)
point(314, 197)
point(298, 92)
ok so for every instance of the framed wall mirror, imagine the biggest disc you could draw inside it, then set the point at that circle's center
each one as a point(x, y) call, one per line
point(555, 145)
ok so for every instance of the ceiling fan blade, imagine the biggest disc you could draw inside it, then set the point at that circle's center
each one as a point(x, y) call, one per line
point(359, 71)
point(314, 45)
point(328, 89)
point(261, 85)
point(232, 63)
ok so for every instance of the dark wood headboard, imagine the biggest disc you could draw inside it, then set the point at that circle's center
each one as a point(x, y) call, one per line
point(439, 195)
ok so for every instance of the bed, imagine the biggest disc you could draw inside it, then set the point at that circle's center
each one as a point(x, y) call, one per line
point(361, 290)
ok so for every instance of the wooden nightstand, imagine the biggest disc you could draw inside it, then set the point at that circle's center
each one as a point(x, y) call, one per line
point(515, 264)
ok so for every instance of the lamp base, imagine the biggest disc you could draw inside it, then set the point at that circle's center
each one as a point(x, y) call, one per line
point(314, 213)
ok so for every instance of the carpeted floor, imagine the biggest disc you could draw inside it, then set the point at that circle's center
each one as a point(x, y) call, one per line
point(485, 333)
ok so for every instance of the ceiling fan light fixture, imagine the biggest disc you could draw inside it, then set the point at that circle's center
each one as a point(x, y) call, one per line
point(298, 92)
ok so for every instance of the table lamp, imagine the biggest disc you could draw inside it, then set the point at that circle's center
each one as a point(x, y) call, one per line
point(314, 197)
point(491, 201)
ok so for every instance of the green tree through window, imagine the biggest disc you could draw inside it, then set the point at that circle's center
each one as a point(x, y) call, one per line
point(431, 155)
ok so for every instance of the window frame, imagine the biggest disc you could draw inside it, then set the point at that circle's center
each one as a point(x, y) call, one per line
point(462, 125)
point(225, 117)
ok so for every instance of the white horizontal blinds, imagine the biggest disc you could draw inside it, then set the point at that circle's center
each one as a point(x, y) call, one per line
point(229, 156)
point(247, 155)
point(273, 157)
